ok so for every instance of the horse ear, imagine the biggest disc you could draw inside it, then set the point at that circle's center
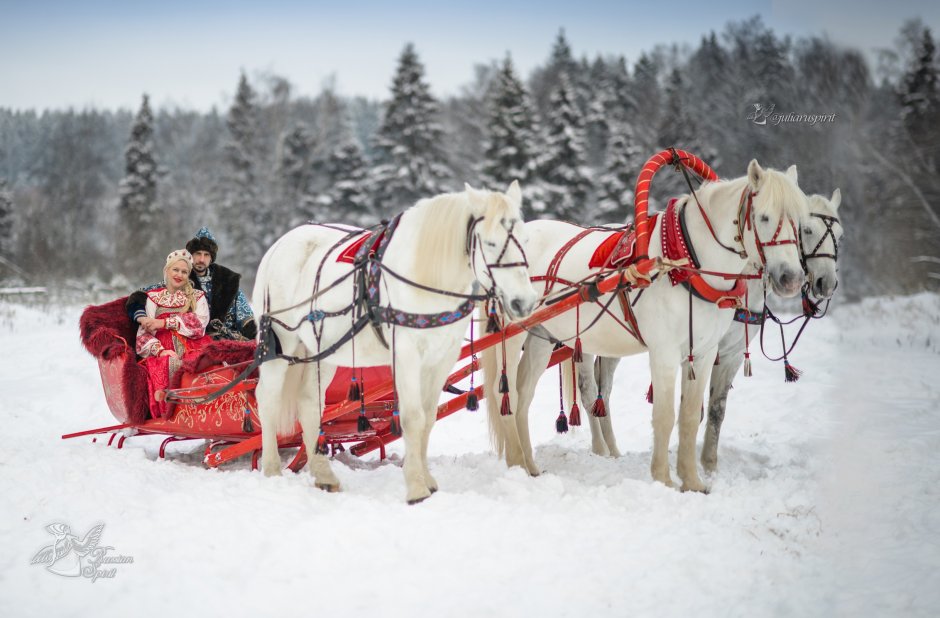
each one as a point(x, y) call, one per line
point(791, 174)
point(755, 174)
point(471, 192)
point(836, 199)
point(514, 192)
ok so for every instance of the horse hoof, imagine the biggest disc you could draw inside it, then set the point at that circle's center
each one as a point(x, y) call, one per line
point(433, 490)
point(331, 488)
point(699, 488)
point(271, 471)
point(413, 501)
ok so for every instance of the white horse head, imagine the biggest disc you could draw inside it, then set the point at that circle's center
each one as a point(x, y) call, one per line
point(496, 248)
point(777, 206)
point(821, 233)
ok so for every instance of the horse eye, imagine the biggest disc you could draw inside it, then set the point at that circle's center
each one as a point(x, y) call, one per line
point(807, 231)
point(764, 218)
point(489, 243)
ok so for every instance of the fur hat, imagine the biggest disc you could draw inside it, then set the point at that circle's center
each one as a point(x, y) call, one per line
point(176, 256)
point(203, 241)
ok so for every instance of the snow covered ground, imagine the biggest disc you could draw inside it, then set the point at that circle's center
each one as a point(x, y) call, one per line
point(825, 502)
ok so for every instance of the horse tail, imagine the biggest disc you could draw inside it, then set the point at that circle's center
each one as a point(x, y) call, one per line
point(488, 362)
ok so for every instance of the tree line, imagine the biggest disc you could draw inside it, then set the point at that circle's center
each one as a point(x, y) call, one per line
point(104, 194)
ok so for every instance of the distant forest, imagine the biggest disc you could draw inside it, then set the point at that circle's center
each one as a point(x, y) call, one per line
point(103, 195)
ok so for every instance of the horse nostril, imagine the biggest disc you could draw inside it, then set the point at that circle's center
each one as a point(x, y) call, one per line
point(516, 305)
point(819, 284)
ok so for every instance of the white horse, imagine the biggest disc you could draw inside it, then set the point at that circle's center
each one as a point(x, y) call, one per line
point(441, 251)
point(820, 234)
point(731, 225)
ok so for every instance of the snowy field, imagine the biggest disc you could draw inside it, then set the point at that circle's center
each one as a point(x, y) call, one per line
point(826, 501)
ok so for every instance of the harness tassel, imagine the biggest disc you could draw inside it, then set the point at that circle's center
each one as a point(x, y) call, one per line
point(395, 426)
point(362, 423)
point(355, 393)
point(810, 308)
point(791, 373)
point(691, 374)
point(649, 393)
point(492, 320)
point(473, 402)
point(599, 410)
point(504, 408)
point(561, 423)
point(747, 365)
point(247, 425)
point(577, 356)
point(574, 418)
point(503, 382)
point(322, 446)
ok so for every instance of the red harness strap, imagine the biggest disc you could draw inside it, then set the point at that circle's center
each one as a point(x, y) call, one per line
point(676, 246)
point(551, 274)
point(348, 254)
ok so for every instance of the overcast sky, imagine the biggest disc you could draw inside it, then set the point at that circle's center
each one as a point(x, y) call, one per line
point(105, 53)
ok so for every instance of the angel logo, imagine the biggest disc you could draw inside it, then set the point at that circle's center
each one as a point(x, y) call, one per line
point(761, 113)
point(70, 556)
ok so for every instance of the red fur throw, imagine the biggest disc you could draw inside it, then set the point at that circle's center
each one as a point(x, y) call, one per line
point(217, 353)
point(108, 334)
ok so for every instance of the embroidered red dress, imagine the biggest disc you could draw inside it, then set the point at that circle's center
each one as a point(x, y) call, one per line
point(185, 333)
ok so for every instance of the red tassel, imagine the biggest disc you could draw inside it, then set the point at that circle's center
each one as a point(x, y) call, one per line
point(322, 446)
point(574, 418)
point(599, 409)
point(395, 426)
point(355, 393)
point(577, 356)
point(247, 425)
point(504, 407)
point(649, 393)
point(473, 402)
point(503, 382)
point(561, 423)
point(747, 365)
point(691, 374)
point(790, 373)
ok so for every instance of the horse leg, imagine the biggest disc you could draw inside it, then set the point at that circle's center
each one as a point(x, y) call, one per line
point(604, 368)
point(312, 390)
point(663, 369)
point(408, 386)
point(531, 367)
point(432, 383)
point(730, 360)
point(690, 416)
point(587, 387)
point(270, 393)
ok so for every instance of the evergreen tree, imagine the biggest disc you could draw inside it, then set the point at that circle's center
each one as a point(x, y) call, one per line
point(647, 95)
point(250, 225)
point(6, 220)
point(347, 197)
point(920, 100)
point(563, 167)
point(545, 80)
point(295, 169)
point(411, 160)
point(615, 203)
point(510, 151)
point(138, 192)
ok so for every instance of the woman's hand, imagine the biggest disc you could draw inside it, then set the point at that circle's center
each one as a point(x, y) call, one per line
point(151, 325)
point(169, 353)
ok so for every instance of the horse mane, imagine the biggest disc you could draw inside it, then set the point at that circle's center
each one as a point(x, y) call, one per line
point(778, 194)
point(441, 236)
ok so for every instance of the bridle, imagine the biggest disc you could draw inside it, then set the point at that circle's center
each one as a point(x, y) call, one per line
point(474, 244)
point(829, 222)
point(746, 221)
